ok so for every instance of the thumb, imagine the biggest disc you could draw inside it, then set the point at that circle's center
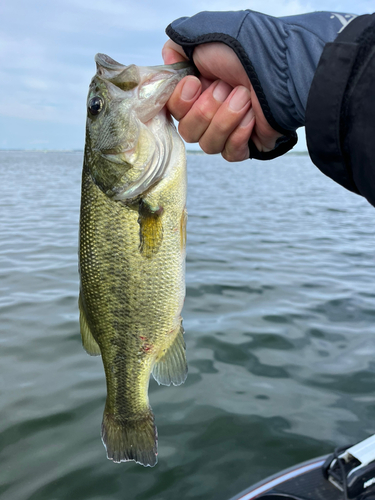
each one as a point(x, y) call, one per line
point(173, 53)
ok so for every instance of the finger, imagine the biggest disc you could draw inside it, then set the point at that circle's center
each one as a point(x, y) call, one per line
point(237, 146)
point(218, 61)
point(194, 124)
point(172, 53)
point(225, 121)
point(184, 96)
point(264, 137)
point(206, 82)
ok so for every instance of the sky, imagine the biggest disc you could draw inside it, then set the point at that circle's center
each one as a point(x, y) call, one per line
point(47, 50)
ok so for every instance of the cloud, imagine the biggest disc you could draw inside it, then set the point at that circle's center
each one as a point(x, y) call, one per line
point(272, 7)
point(129, 15)
point(47, 51)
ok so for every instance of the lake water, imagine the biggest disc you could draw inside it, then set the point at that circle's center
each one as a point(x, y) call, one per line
point(279, 319)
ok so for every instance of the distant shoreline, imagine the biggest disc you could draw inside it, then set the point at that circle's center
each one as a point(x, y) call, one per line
point(41, 150)
point(188, 151)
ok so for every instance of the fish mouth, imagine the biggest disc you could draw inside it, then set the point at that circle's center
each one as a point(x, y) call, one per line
point(151, 86)
point(183, 68)
point(162, 80)
point(146, 90)
point(108, 67)
point(128, 77)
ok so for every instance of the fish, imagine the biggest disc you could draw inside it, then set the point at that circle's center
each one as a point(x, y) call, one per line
point(132, 247)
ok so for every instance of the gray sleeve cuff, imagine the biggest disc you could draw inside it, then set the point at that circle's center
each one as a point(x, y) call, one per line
point(280, 55)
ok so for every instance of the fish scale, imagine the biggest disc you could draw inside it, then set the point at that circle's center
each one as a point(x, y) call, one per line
point(132, 251)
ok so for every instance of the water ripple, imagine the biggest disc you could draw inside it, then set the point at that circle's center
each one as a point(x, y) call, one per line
point(279, 322)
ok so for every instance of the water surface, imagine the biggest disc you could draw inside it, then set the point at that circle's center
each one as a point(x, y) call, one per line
point(279, 319)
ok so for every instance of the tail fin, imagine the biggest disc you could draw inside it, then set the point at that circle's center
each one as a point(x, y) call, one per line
point(131, 439)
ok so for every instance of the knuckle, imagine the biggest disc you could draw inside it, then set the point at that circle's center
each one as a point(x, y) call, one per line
point(188, 132)
point(234, 154)
point(222, 127)
point(228, 156)
point(237, 146)
point(237, 142)
point(209, 148)
point(204, 113)
point(196, 120)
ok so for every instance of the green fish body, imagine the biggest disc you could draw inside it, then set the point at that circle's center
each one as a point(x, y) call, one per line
point(132, 247)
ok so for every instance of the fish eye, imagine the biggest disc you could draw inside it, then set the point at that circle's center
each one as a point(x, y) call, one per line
point(95, 105)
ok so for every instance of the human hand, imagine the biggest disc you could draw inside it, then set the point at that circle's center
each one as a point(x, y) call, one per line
point(220, 109)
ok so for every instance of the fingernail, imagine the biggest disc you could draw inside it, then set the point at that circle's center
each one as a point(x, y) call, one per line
point(221, 91)
point(247, 118)
point(190, 88)
point(239, 99)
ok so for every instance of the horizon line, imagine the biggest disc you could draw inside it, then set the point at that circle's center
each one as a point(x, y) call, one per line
point(188, 151)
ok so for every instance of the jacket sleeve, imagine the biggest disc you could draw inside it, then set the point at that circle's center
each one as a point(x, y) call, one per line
point(280, 56)
point(340, 114)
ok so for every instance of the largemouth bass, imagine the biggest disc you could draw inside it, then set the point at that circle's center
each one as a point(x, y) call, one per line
point(132, 247)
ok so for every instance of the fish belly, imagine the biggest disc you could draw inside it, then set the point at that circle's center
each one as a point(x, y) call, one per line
point(132, 290)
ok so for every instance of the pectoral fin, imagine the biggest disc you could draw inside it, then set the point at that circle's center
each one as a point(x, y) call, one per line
point(150, 229)
point(89, 343)
point(171, 366)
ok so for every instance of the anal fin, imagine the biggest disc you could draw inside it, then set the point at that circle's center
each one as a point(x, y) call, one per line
point(171, 366)
point(89, 343)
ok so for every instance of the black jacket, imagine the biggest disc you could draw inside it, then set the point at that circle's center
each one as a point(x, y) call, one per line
point(340, 114)
point(314, 69)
